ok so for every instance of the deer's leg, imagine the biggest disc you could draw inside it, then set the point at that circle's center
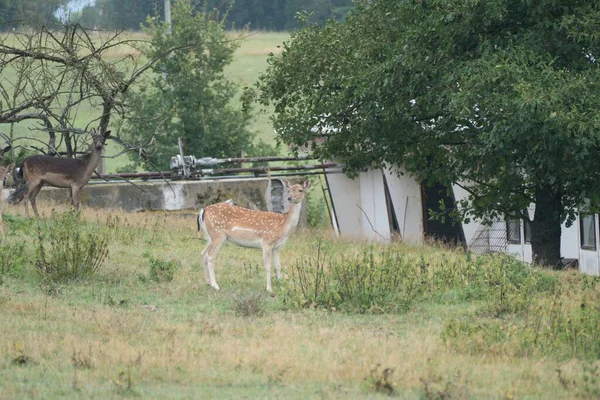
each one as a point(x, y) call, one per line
point(75, 192)
point(32, 194)
point(205, 262)
point(267, 251)
point(211, 254)
point(276, 262)
point(25, 203)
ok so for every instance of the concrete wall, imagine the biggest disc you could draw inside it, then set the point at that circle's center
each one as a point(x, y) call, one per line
point(253, 193)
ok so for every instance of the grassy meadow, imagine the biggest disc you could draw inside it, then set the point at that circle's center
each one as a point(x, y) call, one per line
point(249, 61)
point(350, 320)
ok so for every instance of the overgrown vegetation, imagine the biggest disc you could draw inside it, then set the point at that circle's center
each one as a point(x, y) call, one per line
point(13, 259)
point(67, 249)
point(383, 280)
point(350, 319)
point(161, 270)
point(522, 310)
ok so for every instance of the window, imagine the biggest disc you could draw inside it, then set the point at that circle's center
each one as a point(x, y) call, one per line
point(513, 231)
point(587, 231)
point(527, 229)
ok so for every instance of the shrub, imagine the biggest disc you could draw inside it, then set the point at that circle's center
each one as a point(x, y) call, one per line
point(249, 305)
point(369, 282)
point(316, 210)
point(67, 249)
point(390, 279)
point(162, 270)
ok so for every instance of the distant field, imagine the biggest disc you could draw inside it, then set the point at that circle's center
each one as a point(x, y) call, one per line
point(249, 61)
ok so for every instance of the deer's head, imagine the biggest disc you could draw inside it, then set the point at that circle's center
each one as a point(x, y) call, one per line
point(99, 139)
point(296, 192)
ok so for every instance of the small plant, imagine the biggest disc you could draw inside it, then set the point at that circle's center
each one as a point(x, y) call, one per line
point(162, 270)
point(124, 383)
point(81, 360)
point(435, 387)
point(380, 380)
point(316, 210)
point(249, 305)
point(68, 250)
point(13, 259)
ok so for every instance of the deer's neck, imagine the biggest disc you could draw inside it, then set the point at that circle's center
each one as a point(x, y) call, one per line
point(292, 217)
point(92, 161)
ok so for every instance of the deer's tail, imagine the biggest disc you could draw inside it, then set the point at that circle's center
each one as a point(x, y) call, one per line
point(17, 173)
point(200, 219)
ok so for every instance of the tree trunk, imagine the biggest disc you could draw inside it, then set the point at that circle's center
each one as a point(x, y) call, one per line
point(546, 227)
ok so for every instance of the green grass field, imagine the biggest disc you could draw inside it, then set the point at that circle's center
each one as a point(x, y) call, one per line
point(465, 330)
point(249, 61)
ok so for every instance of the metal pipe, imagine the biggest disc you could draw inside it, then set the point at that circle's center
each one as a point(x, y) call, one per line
point(157, 177)
point(262, 159)
point(265, 169)
point(170, 174)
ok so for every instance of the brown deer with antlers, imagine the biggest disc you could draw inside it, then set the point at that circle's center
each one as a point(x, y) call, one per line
point(72, 173)
point(223, 222)
point(4, 172)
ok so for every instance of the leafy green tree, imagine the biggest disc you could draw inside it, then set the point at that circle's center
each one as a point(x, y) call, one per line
point(189, 96)
point(32, 13)
point(255, 14)
point(500, 95)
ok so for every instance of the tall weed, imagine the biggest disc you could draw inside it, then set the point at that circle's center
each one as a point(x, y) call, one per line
point(562, 322)
point(13, 259)
point(389, 279)
point(67, 249)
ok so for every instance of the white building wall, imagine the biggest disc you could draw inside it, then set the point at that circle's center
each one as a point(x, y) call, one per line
point(470, 228)
point(345, 195)
point(406, 199)
point(367, 191)
point(373, 207)
point(569, 240)
point(589, 260)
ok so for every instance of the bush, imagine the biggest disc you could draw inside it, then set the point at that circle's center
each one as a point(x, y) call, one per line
point(367, 283)
point(67, 249)
point(162, 270)
point(389, 279)
point(249, 305)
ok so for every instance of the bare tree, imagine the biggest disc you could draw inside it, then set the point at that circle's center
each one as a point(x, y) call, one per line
point(51, 76)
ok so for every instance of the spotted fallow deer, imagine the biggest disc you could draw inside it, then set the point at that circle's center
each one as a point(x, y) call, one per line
point(223, 222)
point(73, 173)
point(4, 172)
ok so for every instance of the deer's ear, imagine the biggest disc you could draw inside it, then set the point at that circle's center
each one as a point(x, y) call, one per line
point(286, 183)
point(306, 184)
point(7, 148)
point(106, 134)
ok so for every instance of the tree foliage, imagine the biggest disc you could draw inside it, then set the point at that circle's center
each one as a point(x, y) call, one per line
point(501, 96)
point(255, 14)
point(32, 13)
point(189, 96)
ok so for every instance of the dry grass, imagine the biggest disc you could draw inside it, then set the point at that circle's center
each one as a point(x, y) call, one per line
point(118, 336)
